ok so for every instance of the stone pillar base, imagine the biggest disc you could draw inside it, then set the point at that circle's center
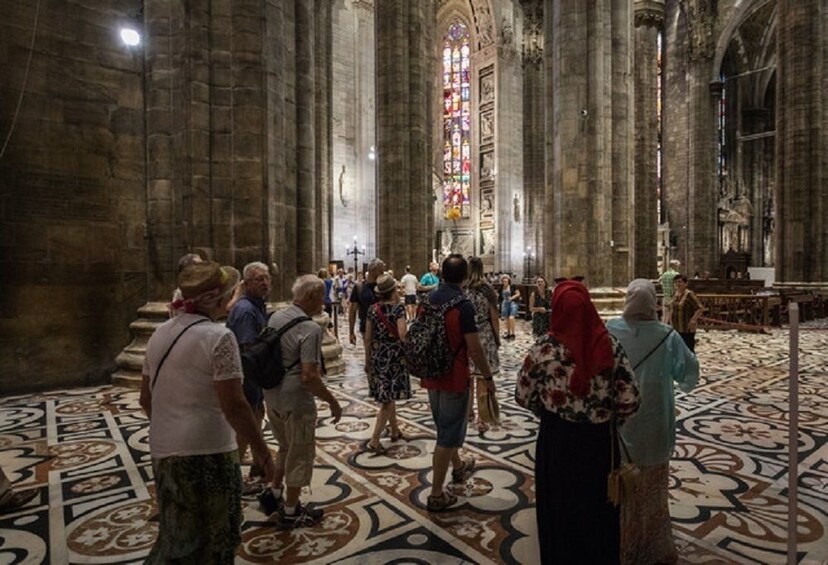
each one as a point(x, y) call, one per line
point(130, 361)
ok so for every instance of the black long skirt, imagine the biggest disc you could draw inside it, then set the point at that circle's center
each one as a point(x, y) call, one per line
point(576, 524)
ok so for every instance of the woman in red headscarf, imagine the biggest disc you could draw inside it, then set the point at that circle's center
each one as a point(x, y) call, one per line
point(576, 379)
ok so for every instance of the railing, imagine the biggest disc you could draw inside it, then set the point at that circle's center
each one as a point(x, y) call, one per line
point(735, 310)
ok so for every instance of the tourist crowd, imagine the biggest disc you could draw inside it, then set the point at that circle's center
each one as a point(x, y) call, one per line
point(603, 394)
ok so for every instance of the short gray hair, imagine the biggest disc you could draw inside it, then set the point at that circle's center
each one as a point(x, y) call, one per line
point(306, 286)
point(675, 263)
point(247, 274)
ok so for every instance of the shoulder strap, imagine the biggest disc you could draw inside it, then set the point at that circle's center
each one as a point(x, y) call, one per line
point(391, 327)
point(292, 323)
point(654, 349)
point(283, 330)
point(164, 358)
point(452, 303)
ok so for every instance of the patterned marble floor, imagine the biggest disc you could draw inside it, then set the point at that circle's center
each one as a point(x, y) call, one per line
point(86, 453)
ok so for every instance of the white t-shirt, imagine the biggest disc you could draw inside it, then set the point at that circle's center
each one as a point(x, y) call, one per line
point(186, 414)
point(409, 282)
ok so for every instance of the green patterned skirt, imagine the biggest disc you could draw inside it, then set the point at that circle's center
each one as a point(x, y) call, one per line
point(199, 508)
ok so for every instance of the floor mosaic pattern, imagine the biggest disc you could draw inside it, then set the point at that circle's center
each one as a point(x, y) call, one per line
point(85, 451)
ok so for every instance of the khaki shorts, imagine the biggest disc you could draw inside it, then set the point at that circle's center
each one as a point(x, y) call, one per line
point(296, 436)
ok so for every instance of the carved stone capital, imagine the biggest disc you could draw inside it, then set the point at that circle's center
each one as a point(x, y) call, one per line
point(363, 4)
point(649, 13)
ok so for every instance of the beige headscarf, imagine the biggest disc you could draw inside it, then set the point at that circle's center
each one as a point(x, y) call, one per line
point(640, 304)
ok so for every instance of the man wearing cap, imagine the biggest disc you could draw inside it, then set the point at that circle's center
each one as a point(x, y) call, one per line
point(247, 318)
point(363, 297)
point(191, 390)
point(291, 407)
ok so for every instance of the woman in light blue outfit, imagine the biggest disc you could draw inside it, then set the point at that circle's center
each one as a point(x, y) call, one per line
point(659, 357)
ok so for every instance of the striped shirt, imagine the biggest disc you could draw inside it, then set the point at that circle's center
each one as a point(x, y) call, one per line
point(684, 308)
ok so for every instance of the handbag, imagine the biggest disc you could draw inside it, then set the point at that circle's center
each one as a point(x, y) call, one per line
point(488, 406)
point(624, 479)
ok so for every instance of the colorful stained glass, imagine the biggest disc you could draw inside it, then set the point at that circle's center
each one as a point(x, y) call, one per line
point(457, 119)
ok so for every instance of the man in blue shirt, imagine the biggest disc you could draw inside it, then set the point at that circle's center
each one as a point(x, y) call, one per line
point(246, 320)
point(430, 280)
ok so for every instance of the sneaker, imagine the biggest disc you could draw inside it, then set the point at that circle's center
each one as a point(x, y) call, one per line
point(304, 517)
point(460, 475)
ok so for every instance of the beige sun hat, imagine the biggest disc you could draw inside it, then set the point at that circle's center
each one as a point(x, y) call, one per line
point(207, 281)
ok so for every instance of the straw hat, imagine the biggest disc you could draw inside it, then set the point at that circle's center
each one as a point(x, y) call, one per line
point(207, 280)
point(386, 283)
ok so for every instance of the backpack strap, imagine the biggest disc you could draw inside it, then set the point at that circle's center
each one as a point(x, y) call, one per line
point(284, 329)
point(391, 327)
point(164, 358)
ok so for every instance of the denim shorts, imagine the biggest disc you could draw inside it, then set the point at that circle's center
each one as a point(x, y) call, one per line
point(508, 309)
point(450, 413)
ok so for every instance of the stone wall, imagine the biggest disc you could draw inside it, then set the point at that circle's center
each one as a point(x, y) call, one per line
point(72, 186)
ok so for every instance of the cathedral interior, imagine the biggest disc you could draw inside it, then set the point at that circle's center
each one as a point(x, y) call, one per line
point(599, 138)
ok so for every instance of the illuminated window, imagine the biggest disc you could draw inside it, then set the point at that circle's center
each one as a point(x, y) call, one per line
point(457, 119)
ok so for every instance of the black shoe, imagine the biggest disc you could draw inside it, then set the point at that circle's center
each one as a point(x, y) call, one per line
point(304, 517)
point(269, 502)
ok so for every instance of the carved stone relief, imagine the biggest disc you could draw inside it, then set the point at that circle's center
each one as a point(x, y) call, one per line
point(533, 34)
point(483, 22)
point(701, 21)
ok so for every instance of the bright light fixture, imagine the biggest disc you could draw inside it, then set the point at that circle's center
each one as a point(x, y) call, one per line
point(130, 37)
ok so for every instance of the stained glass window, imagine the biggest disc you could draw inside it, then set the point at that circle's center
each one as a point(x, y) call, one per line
point(457, 119)
point(722, 123)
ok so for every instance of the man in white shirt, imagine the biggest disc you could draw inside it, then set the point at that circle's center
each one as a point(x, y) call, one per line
point(409, 282)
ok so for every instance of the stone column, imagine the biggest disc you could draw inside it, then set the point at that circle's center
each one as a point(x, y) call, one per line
point(649, 21)
point(406, 54)
point(322, 129)
point(306, 232)
point(802, 141)
point(533, 130)
point(622, 183)
point(587, 66)
point(690, 186)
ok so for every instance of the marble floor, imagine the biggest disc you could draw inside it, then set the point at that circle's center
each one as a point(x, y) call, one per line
point(85, 452)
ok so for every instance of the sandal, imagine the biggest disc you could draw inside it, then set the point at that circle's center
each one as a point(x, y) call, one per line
point(482, 426)
point(398, 436)
point(376, 450)
point(441, 503)
point(464, 472)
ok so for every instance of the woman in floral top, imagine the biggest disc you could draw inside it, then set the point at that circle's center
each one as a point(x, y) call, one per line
point(576, 379)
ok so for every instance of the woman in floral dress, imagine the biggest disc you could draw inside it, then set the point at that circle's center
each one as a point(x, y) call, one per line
point(484, 299)
point(388, 379)
point(576, 379)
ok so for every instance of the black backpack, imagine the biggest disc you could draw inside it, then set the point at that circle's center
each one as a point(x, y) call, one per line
point(262, 360)
point(426, 347)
